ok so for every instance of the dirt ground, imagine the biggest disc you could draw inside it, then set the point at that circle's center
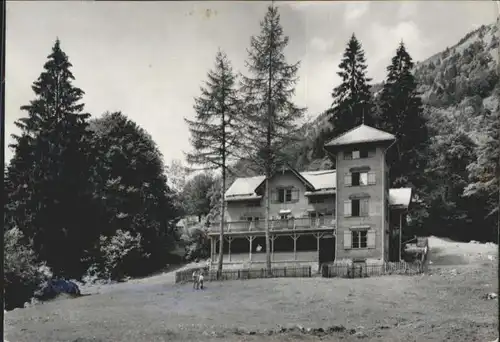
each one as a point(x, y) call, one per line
point(447, 304)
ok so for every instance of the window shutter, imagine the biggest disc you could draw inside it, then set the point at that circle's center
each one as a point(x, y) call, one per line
point(347, 208)
point(295, 195)
point(374, 208)
point(371, 178)
point(363, 207)
point(348, 179)
point(274, 196)
point(347, 239)
point(370, 238)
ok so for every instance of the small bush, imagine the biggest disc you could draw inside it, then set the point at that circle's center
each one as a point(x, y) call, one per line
point(23, 274)
point(196, 243)
point(121, 255)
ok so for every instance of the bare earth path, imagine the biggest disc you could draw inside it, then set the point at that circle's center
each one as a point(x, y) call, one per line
point(445, 305)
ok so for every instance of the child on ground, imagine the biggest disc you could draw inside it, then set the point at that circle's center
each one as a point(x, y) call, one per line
point(195, 279)
point(200, 280)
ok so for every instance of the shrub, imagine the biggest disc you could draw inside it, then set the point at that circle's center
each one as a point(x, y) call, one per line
point(196, 243)
point(121, 255)
point(23, 274)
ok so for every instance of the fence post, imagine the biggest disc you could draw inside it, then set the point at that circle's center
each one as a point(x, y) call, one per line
point(310, 271)
point(239, 274)
point(353, 269)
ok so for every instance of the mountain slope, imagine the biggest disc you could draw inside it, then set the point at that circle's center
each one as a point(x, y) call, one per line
point(456, 85)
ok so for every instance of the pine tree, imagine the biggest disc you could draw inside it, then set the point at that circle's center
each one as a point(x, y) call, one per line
point(270, 116)
point(401, 113)
point(214, 131)
point(49, 171)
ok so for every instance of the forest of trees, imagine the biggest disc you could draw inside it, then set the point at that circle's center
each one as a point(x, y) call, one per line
point(91, 198)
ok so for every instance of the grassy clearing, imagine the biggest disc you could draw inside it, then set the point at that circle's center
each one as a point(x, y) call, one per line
point(446, 304)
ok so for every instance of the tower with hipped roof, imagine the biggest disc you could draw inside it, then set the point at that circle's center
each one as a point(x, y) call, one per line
point(362, 193)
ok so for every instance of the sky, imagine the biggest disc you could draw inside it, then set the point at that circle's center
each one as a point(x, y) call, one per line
point(149, 59)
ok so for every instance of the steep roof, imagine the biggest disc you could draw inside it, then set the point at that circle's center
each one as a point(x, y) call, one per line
point(361, 134)
point(324, 179)
point(244, 188)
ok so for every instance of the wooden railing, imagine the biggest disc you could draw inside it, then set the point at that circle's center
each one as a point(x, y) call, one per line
point(277, 224)
point(363, 270)
point(243, 274)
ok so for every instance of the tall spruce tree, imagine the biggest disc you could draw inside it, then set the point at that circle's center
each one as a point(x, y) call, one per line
point(270, 115)
point(49, 171)
point(401, 113)
point(352, 100)
point(214, 131)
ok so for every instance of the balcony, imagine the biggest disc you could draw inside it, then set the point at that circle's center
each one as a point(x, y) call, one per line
point(303, 223)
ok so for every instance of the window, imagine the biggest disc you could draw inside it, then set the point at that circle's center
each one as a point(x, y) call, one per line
point(367, 153)
point(252, 204)
point(359, 153)
point(359, 178)
point(356, 207)
point(316, 218)
point(316, 199)
point(251, 218)
point(360, 239)
point(286, 195)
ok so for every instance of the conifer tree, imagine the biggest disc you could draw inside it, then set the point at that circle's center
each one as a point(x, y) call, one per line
point(214, 131)
point(401, 113)
point(49, 171)
point(270, 115)
point(352, 101)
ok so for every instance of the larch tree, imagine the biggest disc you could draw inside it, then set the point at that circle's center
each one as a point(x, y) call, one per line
point(214, 130)
point(270, 121)
point(49, 172)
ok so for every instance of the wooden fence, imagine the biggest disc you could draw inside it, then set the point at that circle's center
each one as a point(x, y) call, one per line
point(361, 270)
point(282, 272)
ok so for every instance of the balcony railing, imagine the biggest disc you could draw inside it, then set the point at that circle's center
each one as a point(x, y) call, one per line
point(323, 222)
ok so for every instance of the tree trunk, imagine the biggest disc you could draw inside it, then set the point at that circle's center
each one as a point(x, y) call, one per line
point(498, 170)
point(221, 235)
point(222, 193)
point(268, 244)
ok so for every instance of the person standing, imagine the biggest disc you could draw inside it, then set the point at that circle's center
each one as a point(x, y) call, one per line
point(195, 279)
point(200, 279)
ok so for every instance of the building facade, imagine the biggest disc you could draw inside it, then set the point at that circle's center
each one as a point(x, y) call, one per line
point(344, 215)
